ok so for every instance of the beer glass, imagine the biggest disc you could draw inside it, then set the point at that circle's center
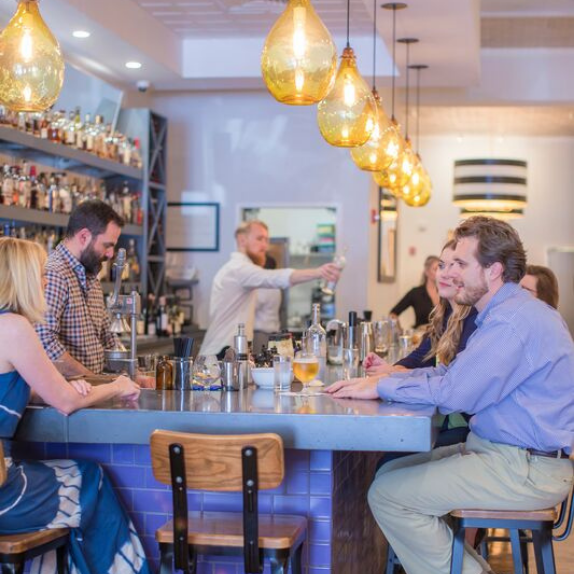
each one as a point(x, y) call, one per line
point(305, 368)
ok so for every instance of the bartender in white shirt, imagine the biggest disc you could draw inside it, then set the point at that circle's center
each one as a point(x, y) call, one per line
point(233, 290)
point(267, 307)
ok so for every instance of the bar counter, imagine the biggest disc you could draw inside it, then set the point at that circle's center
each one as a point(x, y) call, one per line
point(332, 446)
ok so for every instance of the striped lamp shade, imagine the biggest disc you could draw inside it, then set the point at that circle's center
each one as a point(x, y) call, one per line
point(502, 215)
point(488, 185)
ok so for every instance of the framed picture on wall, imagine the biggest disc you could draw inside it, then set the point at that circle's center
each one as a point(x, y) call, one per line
point(387, 247)
point(192, 226)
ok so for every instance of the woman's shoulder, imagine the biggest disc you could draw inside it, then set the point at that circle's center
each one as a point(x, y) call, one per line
point(14, 325)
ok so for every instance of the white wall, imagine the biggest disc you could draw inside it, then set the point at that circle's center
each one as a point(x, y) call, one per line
point(244, 148)
point(548, 217)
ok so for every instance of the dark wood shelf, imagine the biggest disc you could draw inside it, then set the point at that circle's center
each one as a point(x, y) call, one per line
point(62, 157)
point(47, 219)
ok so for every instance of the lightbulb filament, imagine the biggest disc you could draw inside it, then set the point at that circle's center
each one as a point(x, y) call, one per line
point(27, 93)
point(349, 94)
point(27, 46)
point(299, 80)
point(345, 133)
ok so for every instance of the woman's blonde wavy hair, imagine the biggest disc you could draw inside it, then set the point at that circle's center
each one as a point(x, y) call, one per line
point(21, 270)
point(444, 342)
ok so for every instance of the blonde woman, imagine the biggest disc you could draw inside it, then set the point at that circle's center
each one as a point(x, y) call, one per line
point(39, 495)
point(449, 329)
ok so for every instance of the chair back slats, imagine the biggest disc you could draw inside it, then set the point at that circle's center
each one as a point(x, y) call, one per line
point(253, 562)
point(214, 462)
point(566, 510)
point(179, 496)
point(3, 469)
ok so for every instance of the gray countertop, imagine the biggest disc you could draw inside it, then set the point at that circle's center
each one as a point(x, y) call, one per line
point(314, 422)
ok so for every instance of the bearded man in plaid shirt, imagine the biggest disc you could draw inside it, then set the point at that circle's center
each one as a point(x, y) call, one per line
point(77, 325)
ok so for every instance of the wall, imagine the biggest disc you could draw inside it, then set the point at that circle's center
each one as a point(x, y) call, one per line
point(243, 149)
point(547, 221)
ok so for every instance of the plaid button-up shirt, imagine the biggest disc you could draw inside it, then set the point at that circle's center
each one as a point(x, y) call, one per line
point(77, 320)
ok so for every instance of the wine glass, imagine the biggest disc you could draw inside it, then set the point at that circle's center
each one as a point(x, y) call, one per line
point(206, 371)
point(305, 368)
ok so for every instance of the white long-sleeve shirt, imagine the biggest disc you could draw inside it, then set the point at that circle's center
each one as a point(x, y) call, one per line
point(233, 299)
point(267, 306)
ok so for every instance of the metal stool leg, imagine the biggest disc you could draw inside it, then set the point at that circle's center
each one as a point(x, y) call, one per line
point(457, 548)
point(279, 565)
point(516, 551)
point(543, 550)
point(166, 558)
point(297, 560)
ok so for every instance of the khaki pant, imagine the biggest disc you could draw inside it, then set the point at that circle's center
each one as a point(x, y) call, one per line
point(410, 495)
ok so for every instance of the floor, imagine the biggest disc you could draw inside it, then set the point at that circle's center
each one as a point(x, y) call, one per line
point(501, 558)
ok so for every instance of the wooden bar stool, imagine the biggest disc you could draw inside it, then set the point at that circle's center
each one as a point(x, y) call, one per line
point(541, 523)
point(224, 463)
point(16, 549)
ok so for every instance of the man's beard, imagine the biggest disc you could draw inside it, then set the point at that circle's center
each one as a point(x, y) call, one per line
point(91, 261)
point(471, 295)
point(258, 259)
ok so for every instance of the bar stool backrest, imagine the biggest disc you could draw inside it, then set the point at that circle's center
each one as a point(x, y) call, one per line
point(222, 463)
point(214, 462)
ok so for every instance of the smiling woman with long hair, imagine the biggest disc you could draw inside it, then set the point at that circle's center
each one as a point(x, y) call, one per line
point(39, 495)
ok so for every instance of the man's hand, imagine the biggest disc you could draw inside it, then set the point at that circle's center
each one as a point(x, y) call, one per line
point(373, 360)
point(330, 272)
point(82, 387)
point(145, 381)
point(365, 388)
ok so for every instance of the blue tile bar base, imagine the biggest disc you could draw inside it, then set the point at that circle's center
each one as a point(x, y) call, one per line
point(329, 488)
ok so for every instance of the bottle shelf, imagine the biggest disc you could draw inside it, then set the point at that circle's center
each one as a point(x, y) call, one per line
point(47, 219)
point(128, 286)
point(61, 157)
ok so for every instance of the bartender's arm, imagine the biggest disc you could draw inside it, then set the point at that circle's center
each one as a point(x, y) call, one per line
point(56, 294)
point(329, 272)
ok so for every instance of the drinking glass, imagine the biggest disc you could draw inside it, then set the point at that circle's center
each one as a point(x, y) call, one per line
point(282, 373)
point(350, 363)
point(382, 336)
point(305, 368)
point(206, 373)
point(146, 365)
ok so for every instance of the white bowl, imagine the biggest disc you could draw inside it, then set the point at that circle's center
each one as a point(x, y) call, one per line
point(263, 377)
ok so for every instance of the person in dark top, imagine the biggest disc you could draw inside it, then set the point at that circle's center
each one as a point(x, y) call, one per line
point(451, 325)
point(542, 283)
point(422, 298)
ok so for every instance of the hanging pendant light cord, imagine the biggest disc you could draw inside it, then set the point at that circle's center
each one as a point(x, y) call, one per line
point(407, 96)
point(348, 21)
point(418, 109)
point(394, 60)
point(374, 41)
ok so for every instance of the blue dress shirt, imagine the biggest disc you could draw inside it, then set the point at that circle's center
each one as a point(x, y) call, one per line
point(516, 376)
point(416, 359)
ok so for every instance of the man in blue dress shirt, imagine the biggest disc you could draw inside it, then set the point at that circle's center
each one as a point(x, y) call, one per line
point(516, 376)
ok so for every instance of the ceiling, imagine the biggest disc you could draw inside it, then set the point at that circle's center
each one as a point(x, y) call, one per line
point(496, 66)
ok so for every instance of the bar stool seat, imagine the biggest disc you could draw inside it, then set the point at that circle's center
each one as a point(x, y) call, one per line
point(548, 514)
point(277, 531)
point(16, 549)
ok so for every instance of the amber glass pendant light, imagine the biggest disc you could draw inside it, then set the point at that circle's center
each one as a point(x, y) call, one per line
point(373, 155)
point(299, 59)
point(419, 186)
point(31, 63)
point(348, 115)
point(393, 142)
point(403, 168)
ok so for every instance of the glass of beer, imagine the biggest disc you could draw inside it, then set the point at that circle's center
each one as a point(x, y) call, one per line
point(305, 368)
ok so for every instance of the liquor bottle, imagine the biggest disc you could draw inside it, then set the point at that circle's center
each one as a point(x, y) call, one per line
point(340, 261)
point(7, 186)
point(133, 261)
point(44, 127)
point(162, 319)
point(316, 338)
point(126, 201)
point(89, 134)
point(34, 192)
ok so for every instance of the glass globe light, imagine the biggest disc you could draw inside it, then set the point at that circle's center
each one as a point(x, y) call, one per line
point(420, 197)
point(373, 155)
point(386, 179)
point(299, 59)
point(31, 63)
point(403, 167)
point(348, 115)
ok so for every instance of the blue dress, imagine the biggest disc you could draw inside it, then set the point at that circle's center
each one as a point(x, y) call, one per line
point(38, 495)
